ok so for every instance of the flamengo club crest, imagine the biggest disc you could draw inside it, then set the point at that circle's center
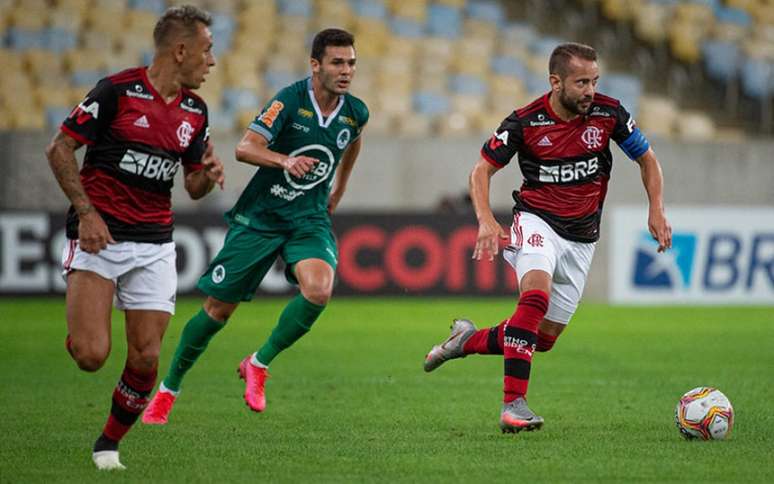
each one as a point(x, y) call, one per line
point(592, 137)
point(184, 132)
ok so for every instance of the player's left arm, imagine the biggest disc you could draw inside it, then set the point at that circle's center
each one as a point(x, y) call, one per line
point(653, 180)
point(342, 174)
point(199, 180)
point(636, 146)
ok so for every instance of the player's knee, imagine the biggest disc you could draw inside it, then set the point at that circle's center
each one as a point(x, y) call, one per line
point(89, 358)
point(317, 295)
point(219, 310)
point(144, 359)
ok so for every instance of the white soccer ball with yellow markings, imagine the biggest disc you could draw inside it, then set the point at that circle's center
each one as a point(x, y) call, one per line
point(704, 413)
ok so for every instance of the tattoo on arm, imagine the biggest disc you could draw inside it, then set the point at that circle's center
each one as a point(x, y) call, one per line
point(61, 158)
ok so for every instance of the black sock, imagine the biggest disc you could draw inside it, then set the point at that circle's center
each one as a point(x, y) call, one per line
point(104, 443)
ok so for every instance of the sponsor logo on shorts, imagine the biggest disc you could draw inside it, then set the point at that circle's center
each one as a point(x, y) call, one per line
point(535, 240)
point(218, 274)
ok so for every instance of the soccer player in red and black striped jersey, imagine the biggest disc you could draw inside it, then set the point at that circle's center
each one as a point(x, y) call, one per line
point(563, 145)
point(139, 126)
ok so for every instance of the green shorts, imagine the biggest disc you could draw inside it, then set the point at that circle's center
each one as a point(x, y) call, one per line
point(248, 254)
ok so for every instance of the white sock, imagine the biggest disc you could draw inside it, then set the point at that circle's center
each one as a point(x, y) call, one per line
point(254, 361)
point(164, 389)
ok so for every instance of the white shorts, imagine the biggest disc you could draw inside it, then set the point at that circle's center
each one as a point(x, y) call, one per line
point(568, 262)
point(144, 274)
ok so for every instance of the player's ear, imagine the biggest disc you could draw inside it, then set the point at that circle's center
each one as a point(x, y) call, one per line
point(315, 65)
point(178, 50)
point(556, 82)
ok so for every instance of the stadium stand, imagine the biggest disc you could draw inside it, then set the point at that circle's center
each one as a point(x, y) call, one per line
point(426, 67)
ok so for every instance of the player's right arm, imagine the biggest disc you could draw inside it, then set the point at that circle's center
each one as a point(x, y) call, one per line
point(489, 229)
point(254, 150)
point(495, 154)
point(93, 234)
point(85, 125)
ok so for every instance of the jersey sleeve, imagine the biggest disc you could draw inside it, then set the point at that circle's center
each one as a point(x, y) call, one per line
point(192, 157)
point(89, 120)
point(275, 114)
point(504, 143)
point(362, 119)
point(628, 136)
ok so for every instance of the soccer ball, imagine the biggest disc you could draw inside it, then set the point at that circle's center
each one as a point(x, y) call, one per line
point(704, 413)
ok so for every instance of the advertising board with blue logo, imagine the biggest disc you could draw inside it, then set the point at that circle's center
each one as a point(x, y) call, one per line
point(719, 255)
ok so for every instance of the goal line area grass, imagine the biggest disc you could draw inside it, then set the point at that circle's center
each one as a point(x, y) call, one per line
point(351, 403)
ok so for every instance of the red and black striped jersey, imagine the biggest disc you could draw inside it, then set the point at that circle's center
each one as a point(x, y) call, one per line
point(565, 164)
point(136, 143)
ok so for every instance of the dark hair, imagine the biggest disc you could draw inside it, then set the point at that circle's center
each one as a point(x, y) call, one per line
point(560, 57)
point(180, 19)
point(334, 37)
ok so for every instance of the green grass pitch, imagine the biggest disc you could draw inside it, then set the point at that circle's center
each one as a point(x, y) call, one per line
point(350, 402)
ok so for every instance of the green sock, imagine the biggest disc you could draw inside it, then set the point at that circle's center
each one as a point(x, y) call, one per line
point(196, 335)
point(296, 319)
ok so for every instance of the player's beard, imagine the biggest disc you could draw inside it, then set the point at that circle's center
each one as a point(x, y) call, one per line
point(573, 105)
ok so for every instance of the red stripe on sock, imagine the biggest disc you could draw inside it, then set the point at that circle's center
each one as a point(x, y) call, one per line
point(130, 397)
point(529, 313)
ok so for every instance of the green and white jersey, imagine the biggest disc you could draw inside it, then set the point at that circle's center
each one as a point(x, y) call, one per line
point(293, 124)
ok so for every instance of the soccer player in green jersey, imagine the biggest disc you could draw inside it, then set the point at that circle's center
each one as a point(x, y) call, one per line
point(304, 143)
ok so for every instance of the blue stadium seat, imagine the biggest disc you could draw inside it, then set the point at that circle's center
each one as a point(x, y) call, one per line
point(296, 8)
point(276, 80)
point(488, 10)
point(543, 46)
point(625, 88)
point(369, 8)
point(721, 59)
point(240, 99)
point(55, 116)
point(22, 39)
point(734, 16)
point(60, 40)
point(444, 21)
point(404, 27)
point(431, 103)
point(467, 84)
point(222, 28)
point(509, 66)
point(86, 78)
point(758, 78)
point(155, 6)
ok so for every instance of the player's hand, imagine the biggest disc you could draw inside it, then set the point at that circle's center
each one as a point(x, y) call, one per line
point(298, 166)
point(660, 229)
point(490, 232)
point(213, 168)
point(93, 234)
point(333, 200)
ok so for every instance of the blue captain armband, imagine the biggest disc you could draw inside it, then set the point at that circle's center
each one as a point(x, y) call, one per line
point(635, 145)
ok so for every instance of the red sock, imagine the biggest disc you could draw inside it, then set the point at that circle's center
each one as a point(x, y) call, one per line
point(130, 398)
point(545, 341)
point(519, 342)
point(487, 341)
